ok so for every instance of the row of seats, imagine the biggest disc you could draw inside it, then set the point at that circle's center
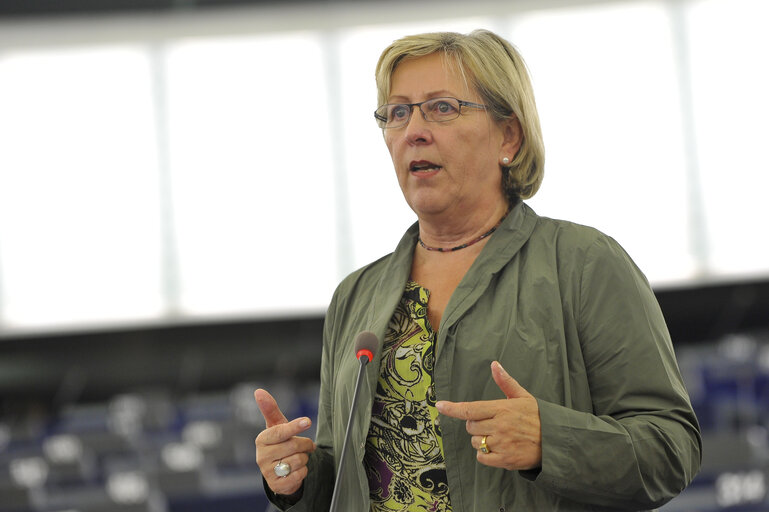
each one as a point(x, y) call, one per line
point(728, 381)
point(154, 451)
point(145, 451)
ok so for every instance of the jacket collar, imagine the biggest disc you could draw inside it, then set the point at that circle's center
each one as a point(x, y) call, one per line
point(393, 282)
point(502, 246)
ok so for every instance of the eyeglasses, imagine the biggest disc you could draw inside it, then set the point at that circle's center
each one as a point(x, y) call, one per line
point(438, 110)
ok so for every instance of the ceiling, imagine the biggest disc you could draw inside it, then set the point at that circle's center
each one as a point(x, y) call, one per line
point(48, 8)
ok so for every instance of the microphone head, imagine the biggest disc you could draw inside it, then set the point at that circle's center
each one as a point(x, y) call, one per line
point(366, 344)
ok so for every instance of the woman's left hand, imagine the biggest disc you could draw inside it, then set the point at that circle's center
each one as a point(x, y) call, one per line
point(511, 427)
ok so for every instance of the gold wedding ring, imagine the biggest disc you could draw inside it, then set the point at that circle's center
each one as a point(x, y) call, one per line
point(484, 447)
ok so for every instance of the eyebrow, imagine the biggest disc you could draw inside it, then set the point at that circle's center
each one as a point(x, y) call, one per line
point(443, 93)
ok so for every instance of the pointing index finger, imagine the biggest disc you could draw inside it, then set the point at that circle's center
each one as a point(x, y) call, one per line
point(465, 410)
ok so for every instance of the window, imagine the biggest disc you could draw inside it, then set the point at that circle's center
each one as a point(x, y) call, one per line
point(610, 110)
point(252, 174)
point(196, 172)
point(728, 42)
point(79, 203)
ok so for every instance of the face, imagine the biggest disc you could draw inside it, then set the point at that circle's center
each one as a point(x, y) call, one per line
point(450, 167)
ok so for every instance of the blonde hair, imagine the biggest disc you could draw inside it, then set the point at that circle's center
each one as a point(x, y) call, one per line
point(498, 73)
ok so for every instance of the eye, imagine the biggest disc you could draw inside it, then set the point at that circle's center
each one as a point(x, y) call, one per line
point(398, 112)
point(443, 107)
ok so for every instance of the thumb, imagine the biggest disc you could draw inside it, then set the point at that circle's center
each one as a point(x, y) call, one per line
point(506, 383)
point(269, 407)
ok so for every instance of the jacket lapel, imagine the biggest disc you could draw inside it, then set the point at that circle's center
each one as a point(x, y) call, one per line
point(389, 291)
point(502, 247)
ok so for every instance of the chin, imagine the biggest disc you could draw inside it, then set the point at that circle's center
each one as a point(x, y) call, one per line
point(427, 201)
point(423, 208)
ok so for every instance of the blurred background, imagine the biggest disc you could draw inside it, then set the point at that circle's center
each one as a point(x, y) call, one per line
point(183, 183)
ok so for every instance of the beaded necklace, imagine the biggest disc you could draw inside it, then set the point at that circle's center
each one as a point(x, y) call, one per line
point(466, 244)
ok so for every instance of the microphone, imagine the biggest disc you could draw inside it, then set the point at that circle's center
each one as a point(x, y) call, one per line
point(365, 345)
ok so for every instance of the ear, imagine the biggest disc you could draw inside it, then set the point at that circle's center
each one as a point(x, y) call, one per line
point(512, 138)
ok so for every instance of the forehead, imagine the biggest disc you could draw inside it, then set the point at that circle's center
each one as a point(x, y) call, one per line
point(433, 75)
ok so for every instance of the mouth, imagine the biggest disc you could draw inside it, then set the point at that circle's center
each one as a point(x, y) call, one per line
point(424, 166)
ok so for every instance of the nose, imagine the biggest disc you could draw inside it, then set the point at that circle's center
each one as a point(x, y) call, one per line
point(417, 130)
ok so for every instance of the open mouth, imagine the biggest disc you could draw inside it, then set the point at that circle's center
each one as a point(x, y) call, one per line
point(424, 166)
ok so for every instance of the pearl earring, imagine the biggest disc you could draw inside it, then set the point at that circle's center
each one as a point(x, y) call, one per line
point(505, 160)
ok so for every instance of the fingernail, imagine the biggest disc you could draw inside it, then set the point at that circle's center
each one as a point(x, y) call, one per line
point(499, 366)
point(439, 406)
point(304, 422)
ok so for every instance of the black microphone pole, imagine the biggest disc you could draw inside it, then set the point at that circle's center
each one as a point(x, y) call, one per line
point(365, 344)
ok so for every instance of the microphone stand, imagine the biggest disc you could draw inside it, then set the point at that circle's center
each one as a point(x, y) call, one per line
point(364, 360)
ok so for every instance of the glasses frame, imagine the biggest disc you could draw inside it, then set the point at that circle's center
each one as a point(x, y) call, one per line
point(382, 120)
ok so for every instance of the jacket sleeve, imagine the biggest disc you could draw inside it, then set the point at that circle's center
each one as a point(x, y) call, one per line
point(641, 444)
point(318, 487)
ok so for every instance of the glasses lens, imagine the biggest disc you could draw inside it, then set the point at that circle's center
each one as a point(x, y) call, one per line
point(394, 114)
point(441, 109)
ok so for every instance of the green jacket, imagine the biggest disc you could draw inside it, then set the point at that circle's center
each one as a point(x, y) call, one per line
point(566, 312)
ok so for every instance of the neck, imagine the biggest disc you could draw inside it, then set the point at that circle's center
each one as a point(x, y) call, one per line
point(442, 236)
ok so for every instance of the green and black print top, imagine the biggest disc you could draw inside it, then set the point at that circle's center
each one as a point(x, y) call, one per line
point(404, 451)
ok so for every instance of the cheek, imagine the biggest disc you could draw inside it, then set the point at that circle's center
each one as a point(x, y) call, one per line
point(389, 140)
point(391, 148)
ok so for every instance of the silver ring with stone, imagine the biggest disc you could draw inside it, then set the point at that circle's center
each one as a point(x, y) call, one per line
point(282, 469)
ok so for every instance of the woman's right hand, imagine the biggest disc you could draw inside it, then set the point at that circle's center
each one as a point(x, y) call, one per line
point(279, 443)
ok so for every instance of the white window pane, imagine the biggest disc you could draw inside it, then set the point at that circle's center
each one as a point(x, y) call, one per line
point(79, 209)
point(729, 46)
point(606, 88)
point(252, 174)
point(379, 214)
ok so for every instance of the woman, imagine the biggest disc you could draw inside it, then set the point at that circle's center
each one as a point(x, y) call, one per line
point(525, 363)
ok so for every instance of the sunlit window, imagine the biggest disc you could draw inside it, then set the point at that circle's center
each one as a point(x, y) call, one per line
point(728, 44)
point(252, 174)
point(79, 205)
point(199, 175)
point(608, 98)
